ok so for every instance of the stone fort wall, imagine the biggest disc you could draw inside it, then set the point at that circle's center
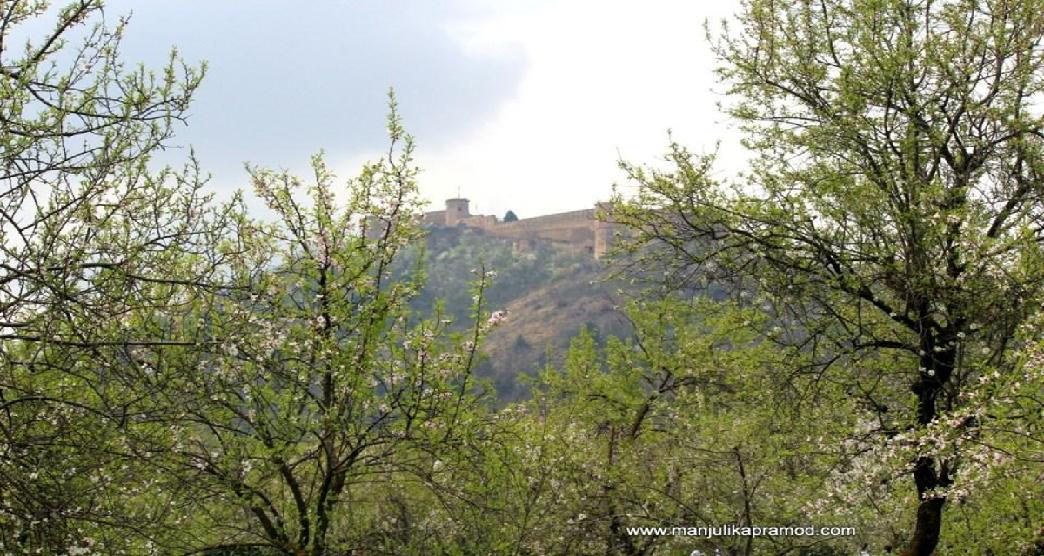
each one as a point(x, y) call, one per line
point(578, 230)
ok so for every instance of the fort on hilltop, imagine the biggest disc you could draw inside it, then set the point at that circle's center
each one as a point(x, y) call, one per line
point(578, 230)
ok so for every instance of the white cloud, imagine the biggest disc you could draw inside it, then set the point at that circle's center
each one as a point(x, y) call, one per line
point(527, 105)
point(603, 80)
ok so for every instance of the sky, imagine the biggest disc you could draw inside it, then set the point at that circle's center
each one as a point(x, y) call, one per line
point(517, 105)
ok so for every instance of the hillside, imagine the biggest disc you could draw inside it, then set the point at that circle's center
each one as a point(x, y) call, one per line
point(544, 320)
point(550, 295)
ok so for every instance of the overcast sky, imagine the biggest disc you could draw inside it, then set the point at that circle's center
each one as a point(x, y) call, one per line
point(520, 105)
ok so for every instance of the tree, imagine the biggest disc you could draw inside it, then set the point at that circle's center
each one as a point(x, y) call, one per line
point(78, 131)
point(97, 248)
point(679, 427)
point(509, 216)
point(319, 383)
point(892, 220)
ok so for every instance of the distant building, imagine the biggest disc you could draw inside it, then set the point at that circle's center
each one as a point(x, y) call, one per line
point(578, 230)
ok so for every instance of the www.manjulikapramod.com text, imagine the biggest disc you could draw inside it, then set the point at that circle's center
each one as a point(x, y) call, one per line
point(735, 530)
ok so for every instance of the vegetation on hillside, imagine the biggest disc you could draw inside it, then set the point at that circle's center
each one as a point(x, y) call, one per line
point(549, 295)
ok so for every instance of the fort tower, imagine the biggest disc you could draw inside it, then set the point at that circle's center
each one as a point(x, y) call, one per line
point(456, 210)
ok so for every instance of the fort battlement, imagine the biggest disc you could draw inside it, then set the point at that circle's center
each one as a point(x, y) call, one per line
point(578, 230)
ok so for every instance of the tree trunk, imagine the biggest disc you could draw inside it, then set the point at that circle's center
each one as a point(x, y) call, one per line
point(936, 367)
point(929, 511)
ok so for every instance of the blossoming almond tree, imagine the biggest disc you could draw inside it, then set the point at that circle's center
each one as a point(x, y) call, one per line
point(892, 220)
point(93, 242)
point(323, 383)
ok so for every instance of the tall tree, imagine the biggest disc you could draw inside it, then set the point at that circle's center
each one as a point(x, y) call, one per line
point(96, 249)
point(319, 383)
point(892, 218)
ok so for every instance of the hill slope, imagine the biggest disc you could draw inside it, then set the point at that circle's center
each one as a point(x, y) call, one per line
point(550, 296)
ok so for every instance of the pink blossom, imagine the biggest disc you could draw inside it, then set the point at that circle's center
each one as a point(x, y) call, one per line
point(497, 317)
